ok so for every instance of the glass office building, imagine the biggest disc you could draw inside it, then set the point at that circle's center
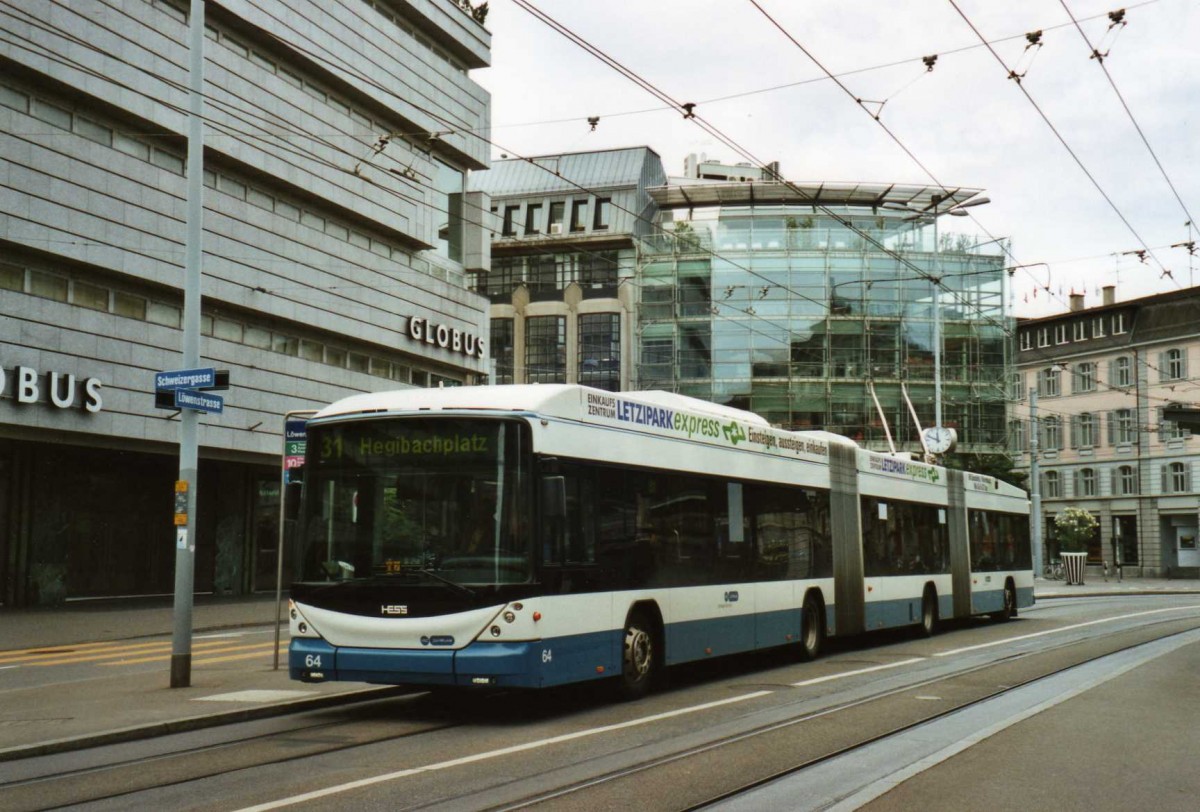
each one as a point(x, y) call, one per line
point(812, 305)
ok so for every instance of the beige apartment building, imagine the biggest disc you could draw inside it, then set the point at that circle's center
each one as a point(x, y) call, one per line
point(1102, 377)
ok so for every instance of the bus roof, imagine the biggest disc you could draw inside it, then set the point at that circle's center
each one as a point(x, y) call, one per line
point(562, 400)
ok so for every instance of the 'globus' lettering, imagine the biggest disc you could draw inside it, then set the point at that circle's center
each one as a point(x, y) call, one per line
point(444, 336)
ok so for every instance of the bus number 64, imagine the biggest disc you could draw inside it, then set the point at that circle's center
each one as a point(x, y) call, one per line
point(547, 655)
point(312, 661)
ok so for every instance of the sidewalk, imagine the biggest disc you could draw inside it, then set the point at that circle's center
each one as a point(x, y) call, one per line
point(40, 716)
point(233, 682)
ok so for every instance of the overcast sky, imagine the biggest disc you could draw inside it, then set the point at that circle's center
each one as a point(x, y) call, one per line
point(965, 121)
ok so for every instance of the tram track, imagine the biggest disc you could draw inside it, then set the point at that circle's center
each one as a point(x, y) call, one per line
point(827, 734)
point(1143, 635)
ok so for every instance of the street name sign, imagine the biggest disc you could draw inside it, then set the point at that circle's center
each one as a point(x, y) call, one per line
point(202, 378)
point(200, 401)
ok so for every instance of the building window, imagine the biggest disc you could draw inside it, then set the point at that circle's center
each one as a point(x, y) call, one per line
point(578, 215)
point(1043, 337)
point(1083, 430)
point(1125, 481)
point(1051, 434)
point(1098, 327)
point(1060, 334)
point(1085, 485)
point(1016, 435)
point(600, 217)
point(1176, 478)
point(510, 217)
point(502, 349)
point(533, 216)
point(1080, 330)
point(546, 349)
point(1084, 377)
point(1052, 485)
point(1118, 323)
point(1121, 428)
point(1026, 340)
point(1016, 386)
point(600, 350)
point(557, 211)
point(1173, 365)
point(1048, 382)
point(1122, 372)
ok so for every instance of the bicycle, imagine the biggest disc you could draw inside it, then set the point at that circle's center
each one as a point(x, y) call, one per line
point(1054, 570)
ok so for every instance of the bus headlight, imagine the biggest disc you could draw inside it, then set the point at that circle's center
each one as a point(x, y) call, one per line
point(509, 617)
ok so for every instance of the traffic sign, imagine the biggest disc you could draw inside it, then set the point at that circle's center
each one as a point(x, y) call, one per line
point(202, 378)
point(200, 401)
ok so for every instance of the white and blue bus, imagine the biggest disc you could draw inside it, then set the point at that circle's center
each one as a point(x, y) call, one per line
point(531, 536)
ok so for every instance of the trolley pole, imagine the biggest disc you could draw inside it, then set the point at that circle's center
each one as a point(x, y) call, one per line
point(1035, 494)
point(189, 419)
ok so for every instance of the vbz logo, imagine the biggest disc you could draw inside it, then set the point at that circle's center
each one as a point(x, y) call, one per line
point(731, 597)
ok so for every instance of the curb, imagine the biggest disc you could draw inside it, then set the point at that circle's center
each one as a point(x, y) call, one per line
point(155, 729)
point(1112, 593)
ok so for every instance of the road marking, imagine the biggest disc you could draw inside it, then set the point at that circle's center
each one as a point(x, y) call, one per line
point(139, 652)
point(254, 696)
point(829, 677)
point(220, 648)
point(1062, 629)
point(491, 754)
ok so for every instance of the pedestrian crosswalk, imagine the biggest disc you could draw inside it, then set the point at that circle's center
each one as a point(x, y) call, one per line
point(118, 653)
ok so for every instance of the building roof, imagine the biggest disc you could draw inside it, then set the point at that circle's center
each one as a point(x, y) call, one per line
point(567, 172)
point(710, 193)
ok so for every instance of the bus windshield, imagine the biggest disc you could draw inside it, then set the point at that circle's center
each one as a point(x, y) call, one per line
point(441, 498)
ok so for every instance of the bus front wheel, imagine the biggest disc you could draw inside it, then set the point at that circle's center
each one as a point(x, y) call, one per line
point(639, 657)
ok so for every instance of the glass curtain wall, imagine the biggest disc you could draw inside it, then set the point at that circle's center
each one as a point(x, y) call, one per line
point(792, 315)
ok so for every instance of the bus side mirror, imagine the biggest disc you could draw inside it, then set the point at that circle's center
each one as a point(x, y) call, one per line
point(291, 500)
point(554, 497)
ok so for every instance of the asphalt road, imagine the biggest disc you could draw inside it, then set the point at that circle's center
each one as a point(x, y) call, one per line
point(726, 730)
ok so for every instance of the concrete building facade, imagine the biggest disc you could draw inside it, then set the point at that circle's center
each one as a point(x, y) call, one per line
point(566, 233)
point(1103, 376)
point(338, 237)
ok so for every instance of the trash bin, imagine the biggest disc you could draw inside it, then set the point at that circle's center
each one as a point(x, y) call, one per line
point(1073, 567)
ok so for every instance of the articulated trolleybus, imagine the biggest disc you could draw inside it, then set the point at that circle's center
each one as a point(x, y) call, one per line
point(531, 536)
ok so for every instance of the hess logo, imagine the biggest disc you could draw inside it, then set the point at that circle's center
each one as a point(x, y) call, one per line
point(393, 609)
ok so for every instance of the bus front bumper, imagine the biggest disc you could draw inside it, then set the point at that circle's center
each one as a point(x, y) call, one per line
point(505, 665)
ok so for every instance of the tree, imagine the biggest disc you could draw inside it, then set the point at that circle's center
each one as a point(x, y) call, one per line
point(1076, 527)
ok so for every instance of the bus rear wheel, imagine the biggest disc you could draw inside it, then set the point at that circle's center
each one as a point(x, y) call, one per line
point(639, 657)
point(929, 613)
point(812, 629)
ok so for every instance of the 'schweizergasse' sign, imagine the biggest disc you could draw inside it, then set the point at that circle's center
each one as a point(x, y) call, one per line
point(62, 390)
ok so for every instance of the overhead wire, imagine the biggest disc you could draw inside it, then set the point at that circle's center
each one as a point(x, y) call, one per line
point(1141, 133)
point(1062, 140)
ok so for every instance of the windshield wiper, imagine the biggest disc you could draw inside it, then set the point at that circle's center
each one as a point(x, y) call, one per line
point(465, 590)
